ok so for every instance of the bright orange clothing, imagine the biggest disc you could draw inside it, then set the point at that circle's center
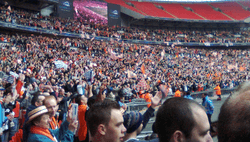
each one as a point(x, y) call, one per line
point(19, 87)
point(82, 133)
point(177, 93)
point(141, 95)
point(17, 109)
point(53, 123)
point(147, 97)
point(41, 131)
point(217, 88)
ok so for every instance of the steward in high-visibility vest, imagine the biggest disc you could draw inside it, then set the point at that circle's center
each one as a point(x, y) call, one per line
point(218, 92)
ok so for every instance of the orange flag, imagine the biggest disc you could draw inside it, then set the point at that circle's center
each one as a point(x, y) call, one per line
point(143, 68)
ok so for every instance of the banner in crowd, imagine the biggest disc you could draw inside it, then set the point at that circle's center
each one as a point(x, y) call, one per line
point(60, 64)
point(8, 78)
point(89, 75)
point(3, 44)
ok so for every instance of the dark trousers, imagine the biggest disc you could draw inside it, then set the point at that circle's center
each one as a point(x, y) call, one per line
point(209, 119)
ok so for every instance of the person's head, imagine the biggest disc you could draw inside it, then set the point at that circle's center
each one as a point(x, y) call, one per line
point(37, 100)
point(180, 119)
point(81, 100)
point(204, 95)
point(7, 97)
point(62, 92)
point(39, 117)
point(233, 120)
point(51, 104)
point(133, 122)
point(105, 122)
point(1, 91)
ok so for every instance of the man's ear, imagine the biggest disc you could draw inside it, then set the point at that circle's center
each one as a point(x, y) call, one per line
point(178, 136)
point(36, 104)
point(102, 129)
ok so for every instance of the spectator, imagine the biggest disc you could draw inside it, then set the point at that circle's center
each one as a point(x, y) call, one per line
point(134, 122)
point(8, 123)
point(233, 120)
point(39, 119)
point(81, 100)
point(52, 107)
point(180, 119)
point(105, 122)
point(36, 101)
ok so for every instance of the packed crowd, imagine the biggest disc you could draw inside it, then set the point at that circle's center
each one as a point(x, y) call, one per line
point(45, 75)
point(91, 23)
point(100, 69)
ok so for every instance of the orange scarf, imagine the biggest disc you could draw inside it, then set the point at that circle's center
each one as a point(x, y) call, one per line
point(42, 131)
point(53, 123)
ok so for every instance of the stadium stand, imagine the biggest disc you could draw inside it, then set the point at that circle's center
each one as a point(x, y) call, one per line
point(122, 3)
point(245, 3)
point(179, 11)
point(151, 10)
point(232, 9)
point(207, 11)
point(117, 54)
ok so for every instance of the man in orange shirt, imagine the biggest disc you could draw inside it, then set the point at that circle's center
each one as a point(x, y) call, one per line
point(218, 92)
point(177, 93)
point(81, 100)
point(51, 104)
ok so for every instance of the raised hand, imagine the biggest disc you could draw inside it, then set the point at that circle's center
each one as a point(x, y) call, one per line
point(156, 99)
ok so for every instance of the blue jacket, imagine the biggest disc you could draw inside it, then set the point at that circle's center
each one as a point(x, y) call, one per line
point(62, 135)
point(208, 104)
point(188, 97)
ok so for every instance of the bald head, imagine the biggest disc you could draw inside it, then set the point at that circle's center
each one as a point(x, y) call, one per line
point(51, 104)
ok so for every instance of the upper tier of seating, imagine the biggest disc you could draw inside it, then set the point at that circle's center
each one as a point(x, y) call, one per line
point(207, 11)
point(179, 11)
point(245, 3)
point(233, 9)
point(122, 3)
point(198, 11)
point(151, 10)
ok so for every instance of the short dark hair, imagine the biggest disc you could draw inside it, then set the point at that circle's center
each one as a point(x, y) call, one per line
point(100, 113)
point(35, 98)
point(175, 114)
point(78, 99)
point(233, 120)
